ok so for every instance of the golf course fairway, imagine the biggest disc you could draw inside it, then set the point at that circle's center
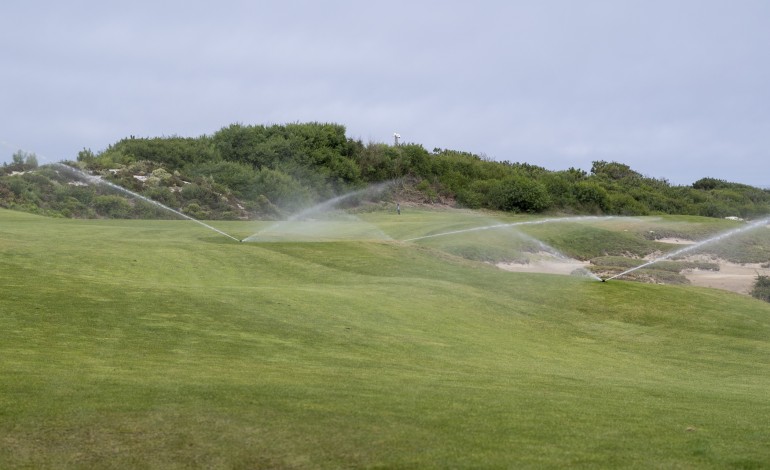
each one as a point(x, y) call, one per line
point(159, 344)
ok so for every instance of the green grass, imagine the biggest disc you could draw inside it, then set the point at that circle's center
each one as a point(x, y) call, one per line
point(452, 231)
point(159, 344)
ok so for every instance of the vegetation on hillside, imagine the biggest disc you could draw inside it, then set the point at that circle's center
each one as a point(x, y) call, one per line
point(761, 289)
point(257, 171)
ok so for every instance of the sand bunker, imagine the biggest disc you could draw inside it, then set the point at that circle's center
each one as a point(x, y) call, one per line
point(675, 241)
point(731, 276)
point(546, 265)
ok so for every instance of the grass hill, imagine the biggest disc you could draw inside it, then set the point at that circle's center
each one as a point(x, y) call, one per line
point(160, 344)
point(266, 172)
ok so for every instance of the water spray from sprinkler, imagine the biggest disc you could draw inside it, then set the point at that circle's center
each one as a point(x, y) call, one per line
point(543, 246)
point(700, 244)
point(325, 206)
point(97, 180)
point(512, 224)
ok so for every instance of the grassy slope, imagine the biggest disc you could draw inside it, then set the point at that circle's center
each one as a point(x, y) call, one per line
point(159, 344)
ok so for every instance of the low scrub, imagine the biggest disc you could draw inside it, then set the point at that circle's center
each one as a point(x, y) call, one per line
point(761, 289)
point(295, 165)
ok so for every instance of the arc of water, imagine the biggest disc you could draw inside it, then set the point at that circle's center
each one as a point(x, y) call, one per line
point(558, 254)
point(695, 246)
point(513, 224)
point(542, 245)
point(323, 206)
point(98, 180)
point(331, 203)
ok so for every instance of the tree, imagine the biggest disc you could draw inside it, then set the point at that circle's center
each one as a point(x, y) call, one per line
point(591, 195)
point(24, 160)
point(708, 184)
point(613, 170)
point(521, 194)
point(18, 157)
point(86, 155)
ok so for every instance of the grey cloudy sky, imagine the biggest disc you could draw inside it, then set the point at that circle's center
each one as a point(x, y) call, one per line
point(677, 89)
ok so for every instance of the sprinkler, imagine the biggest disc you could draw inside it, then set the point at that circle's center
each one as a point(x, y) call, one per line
point(604, 280)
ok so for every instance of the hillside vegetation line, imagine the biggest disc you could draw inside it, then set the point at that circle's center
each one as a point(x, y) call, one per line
point(264, 172)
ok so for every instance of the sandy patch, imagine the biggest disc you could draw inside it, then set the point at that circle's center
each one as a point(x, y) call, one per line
point(551, 266)
point(731, 276)
point(675, 241)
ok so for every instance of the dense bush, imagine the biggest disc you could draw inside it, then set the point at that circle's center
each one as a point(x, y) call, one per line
point(591, 196)
point(761, 289)
point(520, 194)
point(112, 206)
point(261, 171)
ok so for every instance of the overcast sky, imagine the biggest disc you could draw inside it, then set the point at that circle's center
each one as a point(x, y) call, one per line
point(677, 89)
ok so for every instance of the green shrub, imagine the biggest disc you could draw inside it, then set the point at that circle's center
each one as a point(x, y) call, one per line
point(115, 207)
point(709, 184)
point(520, 194)
point(195, 211)
point(591, 196)
point(761, 289)
point(625, 204)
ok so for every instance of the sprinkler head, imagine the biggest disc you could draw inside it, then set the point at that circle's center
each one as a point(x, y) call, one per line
point(240, 241)
point(604, 280)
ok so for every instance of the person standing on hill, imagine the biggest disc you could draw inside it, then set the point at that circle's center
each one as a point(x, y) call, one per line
point(398, 208)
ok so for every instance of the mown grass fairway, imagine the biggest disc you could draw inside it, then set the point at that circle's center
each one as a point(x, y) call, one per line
point(159, 344)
